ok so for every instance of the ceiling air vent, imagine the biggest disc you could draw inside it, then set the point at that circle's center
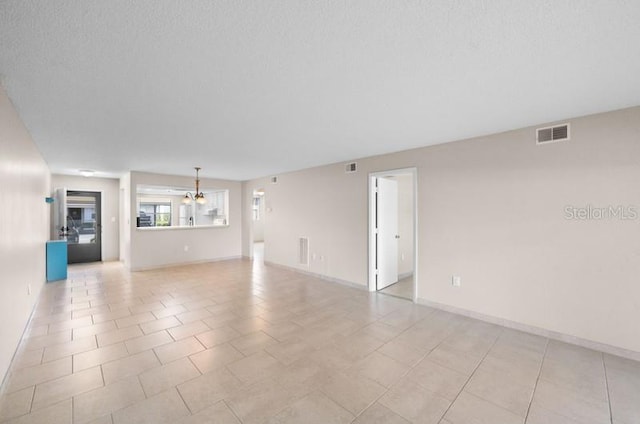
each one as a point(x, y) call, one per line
point(552, 134)
point(274, 180)
point(303, 254)
point(350, 167)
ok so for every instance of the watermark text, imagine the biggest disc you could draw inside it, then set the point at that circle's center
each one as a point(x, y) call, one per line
point(589, 212)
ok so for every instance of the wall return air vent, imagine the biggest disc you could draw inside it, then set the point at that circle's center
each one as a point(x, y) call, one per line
point(351, 167)
point(552, 134)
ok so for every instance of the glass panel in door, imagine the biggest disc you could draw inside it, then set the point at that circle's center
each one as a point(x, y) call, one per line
point(84, 228)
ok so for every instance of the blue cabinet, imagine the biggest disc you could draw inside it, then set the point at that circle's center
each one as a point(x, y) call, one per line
point(56, 260)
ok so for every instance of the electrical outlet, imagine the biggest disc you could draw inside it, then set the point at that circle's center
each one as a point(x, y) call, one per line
point(313, 256)
point(321, 257)
point(402, 257)
point(186, 248)
point(456, 280)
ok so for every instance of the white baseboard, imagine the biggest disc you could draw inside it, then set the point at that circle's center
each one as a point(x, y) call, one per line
point(174, 264)
point(554, 335)
point(319, 276)
point(4, 379)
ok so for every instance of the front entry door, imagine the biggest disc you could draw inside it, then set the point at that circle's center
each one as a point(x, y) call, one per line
point(84, 226)
point(387, 232)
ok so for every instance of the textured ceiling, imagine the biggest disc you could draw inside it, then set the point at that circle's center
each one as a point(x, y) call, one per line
point(253, 88)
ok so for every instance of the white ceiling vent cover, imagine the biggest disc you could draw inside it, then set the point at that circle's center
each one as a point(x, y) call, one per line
point(304, 251)
point(552, 134)
point(351, 167)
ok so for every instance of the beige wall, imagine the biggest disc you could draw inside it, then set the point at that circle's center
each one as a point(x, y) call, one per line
point(150, 248)
point(323, 204)
point(247, 224)
point(491, 210)
point(109, 187)
point(24, 228)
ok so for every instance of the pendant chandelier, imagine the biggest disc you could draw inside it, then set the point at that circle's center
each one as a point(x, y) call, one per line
point(199, 196)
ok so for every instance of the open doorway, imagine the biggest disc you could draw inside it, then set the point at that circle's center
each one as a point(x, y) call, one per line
point(258, 220)
point(392, 233)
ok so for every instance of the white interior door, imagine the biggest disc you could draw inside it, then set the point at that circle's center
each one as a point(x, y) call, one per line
point(387, 233)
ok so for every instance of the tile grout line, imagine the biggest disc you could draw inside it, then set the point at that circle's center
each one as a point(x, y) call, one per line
point(472, 374)
point(182, 398)
point(19, 350)
point(422, 358)
point(535, 386)
point(231, 409)
point(388, 389)
point(104, 383)
point(33, 396)
point(241, 293)
point(144, 392)
point(606, 382)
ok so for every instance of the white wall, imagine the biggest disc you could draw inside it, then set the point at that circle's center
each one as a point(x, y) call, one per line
point(24, 227)
point(247, 223)
point(150, 248)
point(322, 204)
point(492, 210)
point(109, 187)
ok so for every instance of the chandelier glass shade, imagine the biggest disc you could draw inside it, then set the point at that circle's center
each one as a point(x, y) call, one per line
point(199, 196)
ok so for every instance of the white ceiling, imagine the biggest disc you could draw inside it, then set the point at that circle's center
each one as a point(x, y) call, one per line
point(254, 88)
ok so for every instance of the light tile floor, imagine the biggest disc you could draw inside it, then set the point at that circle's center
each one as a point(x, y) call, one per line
point(403, 288)
point(237, 341)
point(258, 251)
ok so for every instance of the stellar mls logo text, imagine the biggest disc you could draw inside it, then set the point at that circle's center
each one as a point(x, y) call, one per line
point(589, 212)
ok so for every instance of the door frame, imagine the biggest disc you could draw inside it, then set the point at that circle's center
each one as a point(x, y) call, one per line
point(99, 228)
point(252, 222)
point(102, 215)
point(372, 220)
